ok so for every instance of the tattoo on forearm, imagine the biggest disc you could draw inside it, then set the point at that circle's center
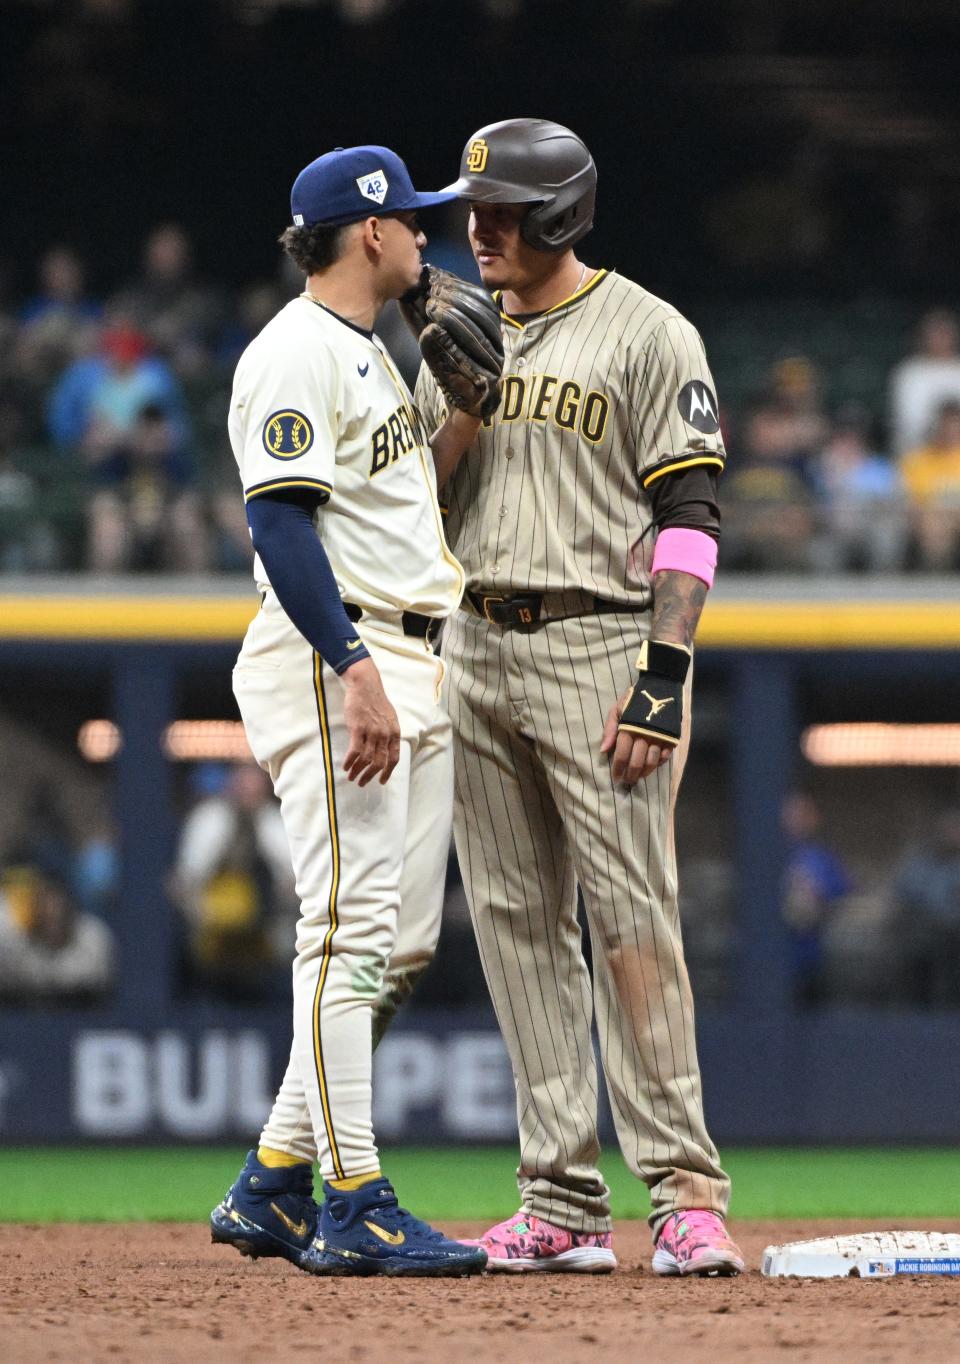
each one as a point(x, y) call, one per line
point(678, 600)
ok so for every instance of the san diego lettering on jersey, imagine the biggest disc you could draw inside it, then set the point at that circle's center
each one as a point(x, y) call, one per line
point(548, 397)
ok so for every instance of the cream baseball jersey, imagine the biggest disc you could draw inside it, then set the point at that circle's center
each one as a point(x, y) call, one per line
point(603, 395)
point(318, 404)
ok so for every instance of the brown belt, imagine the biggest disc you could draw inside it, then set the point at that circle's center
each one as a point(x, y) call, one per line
point(515, 610)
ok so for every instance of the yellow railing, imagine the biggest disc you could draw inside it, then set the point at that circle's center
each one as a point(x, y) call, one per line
point(768, 624)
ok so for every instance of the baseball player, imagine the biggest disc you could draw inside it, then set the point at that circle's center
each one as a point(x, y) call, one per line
point(339, 690)
point(585, 516)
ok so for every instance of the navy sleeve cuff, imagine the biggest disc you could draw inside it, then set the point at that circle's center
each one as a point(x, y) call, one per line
point(281, 524)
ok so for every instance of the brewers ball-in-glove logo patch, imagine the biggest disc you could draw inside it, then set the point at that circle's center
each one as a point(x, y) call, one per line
point(287, 435)
point(698, 407)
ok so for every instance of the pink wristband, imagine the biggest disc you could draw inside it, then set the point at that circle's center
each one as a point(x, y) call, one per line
point(686, 551)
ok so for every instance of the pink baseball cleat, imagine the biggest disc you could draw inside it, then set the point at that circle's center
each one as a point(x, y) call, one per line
point(696, 1242)
point(525, 1243)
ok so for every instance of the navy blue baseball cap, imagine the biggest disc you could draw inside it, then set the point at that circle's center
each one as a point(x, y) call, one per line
point(352, 183)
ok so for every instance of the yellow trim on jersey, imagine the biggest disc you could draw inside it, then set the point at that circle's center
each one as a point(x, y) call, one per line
point(334, 888)
point(718, 460)
point(438, 515)
point(273, 484)
point(591, 284)
point(579, 293)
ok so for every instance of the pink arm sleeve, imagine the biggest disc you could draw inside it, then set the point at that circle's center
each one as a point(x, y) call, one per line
point(686, 551)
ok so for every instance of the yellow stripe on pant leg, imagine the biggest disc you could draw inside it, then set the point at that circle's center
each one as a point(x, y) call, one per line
point(334, 888)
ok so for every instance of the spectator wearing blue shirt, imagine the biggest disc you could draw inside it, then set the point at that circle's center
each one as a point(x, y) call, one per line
point(56, 325)
point(145, 515)
point(97, 400)
point(862, 522)
point(815, 882)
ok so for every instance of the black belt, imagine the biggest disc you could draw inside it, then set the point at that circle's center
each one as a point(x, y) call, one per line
point(527, 608)
point(413, 623)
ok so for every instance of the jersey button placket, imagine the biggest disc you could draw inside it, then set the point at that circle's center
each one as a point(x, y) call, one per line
point(500, 499)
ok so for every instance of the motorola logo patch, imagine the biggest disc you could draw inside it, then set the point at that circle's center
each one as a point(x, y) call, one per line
point(698, 407)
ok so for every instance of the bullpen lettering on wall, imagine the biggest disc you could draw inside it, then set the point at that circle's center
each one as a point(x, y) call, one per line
point(219, 1084)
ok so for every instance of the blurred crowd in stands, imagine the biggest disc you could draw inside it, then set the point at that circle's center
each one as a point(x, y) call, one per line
point(233, 884)
point(855, 933)
point(58, 895)
point(113, 452)
point(114, 455)
point(808, 489)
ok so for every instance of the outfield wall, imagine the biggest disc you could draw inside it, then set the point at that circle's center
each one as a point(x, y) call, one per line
point(773, 656)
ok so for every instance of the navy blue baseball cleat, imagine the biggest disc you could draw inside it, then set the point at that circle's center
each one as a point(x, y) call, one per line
point(268, 1212)
point(365, 1231)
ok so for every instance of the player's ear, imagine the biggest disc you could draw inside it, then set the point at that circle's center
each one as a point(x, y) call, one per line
point(373, 235)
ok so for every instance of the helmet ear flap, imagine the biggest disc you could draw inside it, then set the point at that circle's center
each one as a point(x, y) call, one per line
point(544, 229)
point(547, 229)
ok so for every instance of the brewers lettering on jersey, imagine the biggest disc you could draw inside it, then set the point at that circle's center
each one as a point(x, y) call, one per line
point(585, 517)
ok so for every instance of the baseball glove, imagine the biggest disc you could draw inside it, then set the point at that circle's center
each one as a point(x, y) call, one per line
point(458, 329)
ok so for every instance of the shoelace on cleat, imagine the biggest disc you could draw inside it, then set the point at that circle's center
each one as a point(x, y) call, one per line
point(423, 1230)
point(386, 1208)
point(404, 1220)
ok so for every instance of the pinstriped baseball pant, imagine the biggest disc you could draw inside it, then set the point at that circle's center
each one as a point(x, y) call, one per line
point(536, 813)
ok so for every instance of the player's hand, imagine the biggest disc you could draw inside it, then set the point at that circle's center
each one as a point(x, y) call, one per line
point(371, 723)
point(450, 441)
point(634, 757)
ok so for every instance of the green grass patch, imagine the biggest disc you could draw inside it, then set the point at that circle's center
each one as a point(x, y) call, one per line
point(97, 1184)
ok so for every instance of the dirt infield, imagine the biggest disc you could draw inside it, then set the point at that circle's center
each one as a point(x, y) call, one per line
point(94, 1293)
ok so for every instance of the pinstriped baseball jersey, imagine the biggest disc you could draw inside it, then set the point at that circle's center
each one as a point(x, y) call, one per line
point(602, 395)
point(318, 404)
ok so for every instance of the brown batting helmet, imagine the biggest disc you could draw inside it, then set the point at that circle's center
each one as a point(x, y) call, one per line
point(532, 161)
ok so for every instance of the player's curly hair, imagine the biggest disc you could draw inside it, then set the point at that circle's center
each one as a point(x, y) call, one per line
point(313, 248)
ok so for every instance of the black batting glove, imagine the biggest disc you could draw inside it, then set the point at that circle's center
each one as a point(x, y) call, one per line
point(655, 705)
